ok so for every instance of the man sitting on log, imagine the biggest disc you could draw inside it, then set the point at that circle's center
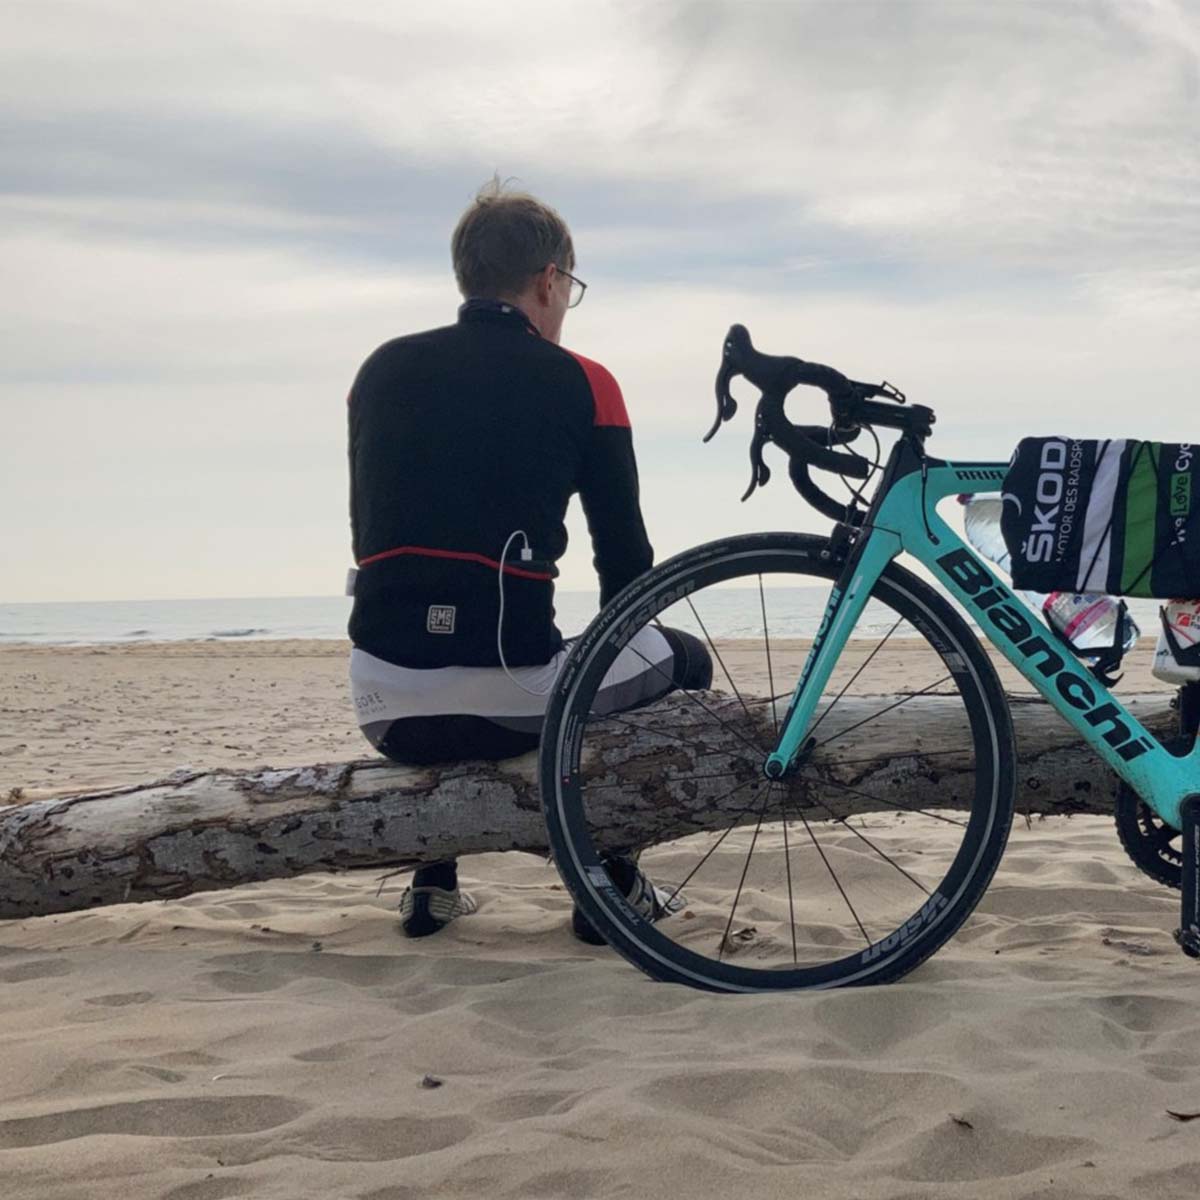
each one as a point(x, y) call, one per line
point(466, 445)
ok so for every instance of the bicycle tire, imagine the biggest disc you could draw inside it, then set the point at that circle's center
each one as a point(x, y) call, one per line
point(642, 942)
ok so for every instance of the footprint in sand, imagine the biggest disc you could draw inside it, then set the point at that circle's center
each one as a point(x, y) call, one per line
point(243, 982)
point(1143, 1013)
point(259, 971)
point(942, 1155)
point(337, 1051)
point(354, 1139)
point(763, 1114)
point(160, 1073)
point(212, 1189)
point(193, 1116)
point(397, 1192)
point(120, 999)
point(869, 1020)
point(190, 1058)
point(39, 968)
point(522, 1106)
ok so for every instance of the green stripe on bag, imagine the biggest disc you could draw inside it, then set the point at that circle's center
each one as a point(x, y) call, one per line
point(1141, 508)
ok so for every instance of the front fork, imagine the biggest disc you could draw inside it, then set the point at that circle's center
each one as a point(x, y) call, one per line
point(867, 559)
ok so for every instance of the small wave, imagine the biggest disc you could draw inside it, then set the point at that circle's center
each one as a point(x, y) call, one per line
point(235, 633)
point(138, 633)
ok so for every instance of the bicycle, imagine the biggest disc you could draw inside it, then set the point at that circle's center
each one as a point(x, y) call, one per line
point(791, 787)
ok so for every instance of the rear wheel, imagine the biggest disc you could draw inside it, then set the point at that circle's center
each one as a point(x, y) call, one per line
point(852, 870)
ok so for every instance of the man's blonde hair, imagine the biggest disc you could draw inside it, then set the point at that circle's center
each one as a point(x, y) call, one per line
point(503, 239)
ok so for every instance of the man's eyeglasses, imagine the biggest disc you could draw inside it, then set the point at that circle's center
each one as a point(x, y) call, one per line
point(578, 287)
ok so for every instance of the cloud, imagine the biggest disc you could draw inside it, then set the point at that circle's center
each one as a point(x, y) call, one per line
point(175, 421)
point(211, 215)
point(1034, 136)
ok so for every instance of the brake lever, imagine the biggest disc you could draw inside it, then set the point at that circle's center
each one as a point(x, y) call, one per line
point(726, 404)
point(760, 473)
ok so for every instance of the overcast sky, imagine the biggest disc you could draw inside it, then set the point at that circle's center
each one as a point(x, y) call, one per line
point(213, 212)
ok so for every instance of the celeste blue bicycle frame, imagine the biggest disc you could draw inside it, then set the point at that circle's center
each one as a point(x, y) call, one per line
point(903, 518)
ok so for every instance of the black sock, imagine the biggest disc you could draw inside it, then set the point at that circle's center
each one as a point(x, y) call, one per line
point(442, 875)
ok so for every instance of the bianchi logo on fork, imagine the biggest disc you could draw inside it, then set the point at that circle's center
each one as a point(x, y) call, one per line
point(831, 606)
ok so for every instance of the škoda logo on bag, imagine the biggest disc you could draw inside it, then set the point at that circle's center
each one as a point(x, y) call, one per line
point(1056, 499)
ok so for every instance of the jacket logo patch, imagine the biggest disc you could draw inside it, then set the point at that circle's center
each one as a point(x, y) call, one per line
point(440, 618)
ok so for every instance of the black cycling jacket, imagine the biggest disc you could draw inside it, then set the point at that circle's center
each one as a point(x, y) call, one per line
point(459, 437)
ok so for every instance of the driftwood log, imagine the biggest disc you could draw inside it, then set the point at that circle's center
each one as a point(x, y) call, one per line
point(665, 771)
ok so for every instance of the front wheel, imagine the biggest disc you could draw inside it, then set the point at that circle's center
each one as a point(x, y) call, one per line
point(852, 870)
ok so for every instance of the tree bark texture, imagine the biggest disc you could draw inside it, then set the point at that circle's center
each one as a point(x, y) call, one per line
point(666, 771)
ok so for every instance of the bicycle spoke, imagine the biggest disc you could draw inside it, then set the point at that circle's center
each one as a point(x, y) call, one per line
point(877, 715)
point(787, 862)
point(757, 701)
point(698, 747)
point(674, 779)
point(698, 702)
point(862, 667)
point(845, 787)
point(621, 717)
point(792, 878)
point(845, 824)
point(762, 701)
point(742, 882)
point(767, 642)
point(837, 882)
point(845, 762)
point(717, 655)
point(709, 852)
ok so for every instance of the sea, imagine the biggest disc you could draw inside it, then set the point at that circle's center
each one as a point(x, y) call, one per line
point(725, 613)
point(733, 612)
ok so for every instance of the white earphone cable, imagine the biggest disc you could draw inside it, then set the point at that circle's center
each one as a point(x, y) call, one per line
point(526, 556)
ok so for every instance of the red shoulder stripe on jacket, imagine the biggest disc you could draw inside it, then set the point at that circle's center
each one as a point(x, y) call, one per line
point(610, 404)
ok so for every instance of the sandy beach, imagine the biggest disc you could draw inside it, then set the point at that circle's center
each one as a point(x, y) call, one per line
point(282, 1040)
point(75, 718)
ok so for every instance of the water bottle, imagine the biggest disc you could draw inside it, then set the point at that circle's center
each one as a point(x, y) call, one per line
point(982, 520)
point(1177, 660)
point(1087, 621)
